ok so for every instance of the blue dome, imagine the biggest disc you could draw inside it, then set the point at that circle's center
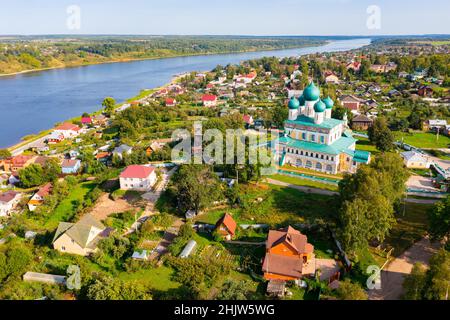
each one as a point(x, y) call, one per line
point(293, 103)
point(302, 100)
point(320, 106)
point(329, 103)
point(311, 93)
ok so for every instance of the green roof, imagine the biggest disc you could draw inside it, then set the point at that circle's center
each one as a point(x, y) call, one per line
point(293, 103)
point(339, 146)
point(79, 232)
point(311, 93)
point(329, 123)
point(319, 106)
point(302, 100)
point(361, 156)
point(329, 102)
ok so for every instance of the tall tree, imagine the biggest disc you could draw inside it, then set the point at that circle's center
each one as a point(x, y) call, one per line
point(439, 218)
point(380, 135)
point(109, 104)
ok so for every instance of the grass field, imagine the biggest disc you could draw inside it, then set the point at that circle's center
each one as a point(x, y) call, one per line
point(364, 144)
point(156, 278)
point(275, 206)
point(412, 225)
point(304, 182)
point(66, 209)
point(424, 140)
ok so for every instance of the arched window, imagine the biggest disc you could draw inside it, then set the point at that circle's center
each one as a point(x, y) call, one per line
point(329, 168)
point(308, 164)
point(299, 163)
point(318, 166)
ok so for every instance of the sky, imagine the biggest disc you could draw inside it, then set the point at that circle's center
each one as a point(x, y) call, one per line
point(225, 17)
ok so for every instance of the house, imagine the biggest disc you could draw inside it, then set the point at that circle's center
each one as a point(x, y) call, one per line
point(415, 160)
point(361, 122)
point(248, 119)
point(154, 147)
point(425, 91)
point(294, 93)
point(170, 102)
point(100, 120)
point(247, 78)
point(39, 197)
point(121, 150)
point(55, 137)
point(80, 238)
point(351, 102)
point(70, 166)
point(330, 77)
point(226, 227)
point(289, 256)
point(138, 177)
point(103, 157)
point(67, 129)
point(86, 121)
point(16, 163)
point(209, 100)
point(383, 68)
point(8, 201)
point(355, 66)
point(434, 125)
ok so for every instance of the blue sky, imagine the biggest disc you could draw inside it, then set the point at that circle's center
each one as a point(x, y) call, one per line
point(248, 17)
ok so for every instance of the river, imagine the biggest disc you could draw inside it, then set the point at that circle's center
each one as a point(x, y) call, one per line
point(32, 102)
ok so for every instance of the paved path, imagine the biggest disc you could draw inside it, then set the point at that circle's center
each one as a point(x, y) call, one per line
point(21, 149)
point(392, 276)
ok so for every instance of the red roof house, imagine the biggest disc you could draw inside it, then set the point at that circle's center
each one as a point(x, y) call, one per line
point(86, 120)
point(138, 177)
point(209, 100)
point(226, 227)
point(170, 102)
point(288, 255)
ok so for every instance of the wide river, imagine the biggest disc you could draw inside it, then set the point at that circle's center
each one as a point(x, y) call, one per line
point(32, 102)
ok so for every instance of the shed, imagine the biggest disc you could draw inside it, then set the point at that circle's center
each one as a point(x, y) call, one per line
point(44, 278)
point(140, 255)
point(276, 288)
point(188, 249)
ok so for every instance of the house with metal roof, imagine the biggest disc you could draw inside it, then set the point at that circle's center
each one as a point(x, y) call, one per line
point(314, 140)
point(80, 238)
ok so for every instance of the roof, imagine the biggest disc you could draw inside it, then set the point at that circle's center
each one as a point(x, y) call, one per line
point(8, 196)
point(45, 190)
point(86, 120)
point(209, 97)
point(122, 148)
point(70, 163)
point(283, 265)
point(68, 126)
point(188, 249)
point(343, 144)
point(80, 231)
point(228, 221)
point(328, 123)
point(349, 98)
point(288, 235)
point(361, 118)
point(361, 156)
point(414, 156)
point(137, 172)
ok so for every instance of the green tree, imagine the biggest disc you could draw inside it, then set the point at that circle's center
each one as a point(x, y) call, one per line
point(350, 291)
point(438, 277)
point(234, 290)
point(415, 282)
point(380, 135)
point(32, 176)
point(279, 114)
point(439, 218)
point(109, 104)
point(195, 187)
point(4, 153)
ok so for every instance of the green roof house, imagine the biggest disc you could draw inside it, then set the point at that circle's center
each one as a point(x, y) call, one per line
point(313, 139)
point(79, 238)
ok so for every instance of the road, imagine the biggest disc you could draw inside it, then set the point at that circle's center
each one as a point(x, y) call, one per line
point(28, 145)
point(393, 275)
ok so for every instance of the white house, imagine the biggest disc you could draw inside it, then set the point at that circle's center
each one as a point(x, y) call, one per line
point(138, 177)
point(8, 200)
point(67, 129)
point(209, 100)
point(413, 159)
point(121, 150)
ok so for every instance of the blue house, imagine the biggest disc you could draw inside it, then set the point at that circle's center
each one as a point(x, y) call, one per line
point(70, 166)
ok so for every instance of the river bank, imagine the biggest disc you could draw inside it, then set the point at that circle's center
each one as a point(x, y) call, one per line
point(32, 104)
point(124, 60)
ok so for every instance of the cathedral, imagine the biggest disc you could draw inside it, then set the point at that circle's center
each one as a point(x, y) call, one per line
point(314, 140)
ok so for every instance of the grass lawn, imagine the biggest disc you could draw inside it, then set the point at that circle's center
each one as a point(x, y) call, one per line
point(410, 227)
point(157, 278)
point(66, 209)
point(424, 140)
point(313, 172)
point(304, 182)
point(364, 144)
point(275, 206)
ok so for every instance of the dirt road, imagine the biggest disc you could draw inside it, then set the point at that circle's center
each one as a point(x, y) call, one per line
point(392, 276)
